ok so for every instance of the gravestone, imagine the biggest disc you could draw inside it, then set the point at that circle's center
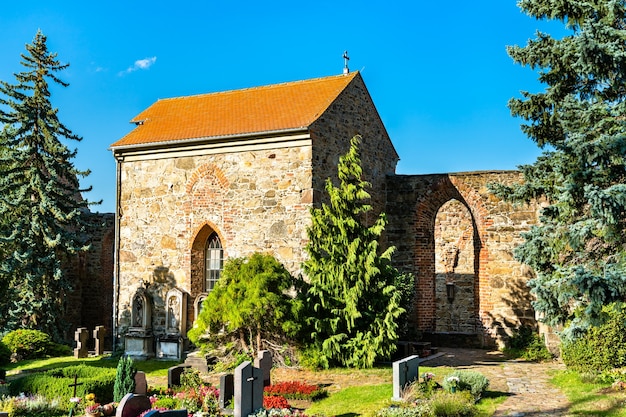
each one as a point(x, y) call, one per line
point(141, 385)
point(81, 336)
point(98, 334)
point(248, 389)
point(173, 375)
point(132, 405)
point(264, 362)
point(227, 390)
point(405, 371)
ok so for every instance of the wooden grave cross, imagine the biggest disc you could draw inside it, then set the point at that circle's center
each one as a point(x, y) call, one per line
point(75, 384)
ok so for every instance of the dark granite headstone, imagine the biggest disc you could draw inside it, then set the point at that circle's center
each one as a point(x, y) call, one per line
point(227, 390)
point(132, 405)
point(173, 375)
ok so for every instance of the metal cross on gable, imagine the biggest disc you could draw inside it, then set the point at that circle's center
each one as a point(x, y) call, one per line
point(346, 58)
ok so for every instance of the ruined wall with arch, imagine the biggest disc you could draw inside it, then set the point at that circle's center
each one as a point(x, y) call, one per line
point(450, 231)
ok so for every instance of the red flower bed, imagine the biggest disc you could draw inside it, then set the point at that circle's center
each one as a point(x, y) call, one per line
point(275, 401)
point(295, 390)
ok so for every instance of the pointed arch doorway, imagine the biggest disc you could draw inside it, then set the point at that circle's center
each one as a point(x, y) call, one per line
point(455, 269)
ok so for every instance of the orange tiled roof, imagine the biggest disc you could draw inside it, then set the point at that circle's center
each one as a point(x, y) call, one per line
point(252, 110)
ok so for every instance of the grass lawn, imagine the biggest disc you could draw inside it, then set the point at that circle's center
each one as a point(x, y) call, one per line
point(588, 398)
point(152, 368)
point(364, 400)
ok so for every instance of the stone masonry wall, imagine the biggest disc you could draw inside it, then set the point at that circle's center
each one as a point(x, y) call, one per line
point(255, 201)
point(502, 300)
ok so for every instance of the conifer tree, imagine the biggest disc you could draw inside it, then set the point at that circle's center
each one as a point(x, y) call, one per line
point(250, 303)
point(124, 378)
point(352, 301)
point(577, 250)
point(40, 201)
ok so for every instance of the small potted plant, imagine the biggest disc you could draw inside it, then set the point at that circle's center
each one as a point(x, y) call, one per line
point(453, 383)
point(93, 410)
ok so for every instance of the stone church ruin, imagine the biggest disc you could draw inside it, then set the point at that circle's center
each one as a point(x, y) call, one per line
point(206, 177)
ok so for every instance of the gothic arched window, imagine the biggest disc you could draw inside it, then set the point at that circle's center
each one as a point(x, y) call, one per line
point(213, 261)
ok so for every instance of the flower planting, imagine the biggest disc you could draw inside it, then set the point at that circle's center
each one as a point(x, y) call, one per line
point(296, 390)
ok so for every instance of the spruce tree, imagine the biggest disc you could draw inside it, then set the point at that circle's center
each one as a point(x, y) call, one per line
point(579, 120)
point(40, 200)
point(352, 302)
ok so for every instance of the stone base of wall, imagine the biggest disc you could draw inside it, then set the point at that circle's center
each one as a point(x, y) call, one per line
point(457, 340)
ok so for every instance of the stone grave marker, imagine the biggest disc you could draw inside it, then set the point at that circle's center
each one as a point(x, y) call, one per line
point(405, 371)
point(132, 405)
point(98, 334)
point(81, 336)
point(227, 390)
point(248, 389)
point(141, 384)
point(264, 362)
point(173, 375)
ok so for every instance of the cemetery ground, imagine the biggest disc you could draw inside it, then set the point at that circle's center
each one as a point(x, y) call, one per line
point(517, 387)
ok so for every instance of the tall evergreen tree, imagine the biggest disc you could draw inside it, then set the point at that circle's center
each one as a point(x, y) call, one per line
point(353, 303)
point(579, 121)
point(40, 201)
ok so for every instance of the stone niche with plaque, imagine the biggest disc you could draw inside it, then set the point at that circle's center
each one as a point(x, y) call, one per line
point(172, 344)
point(139, 340)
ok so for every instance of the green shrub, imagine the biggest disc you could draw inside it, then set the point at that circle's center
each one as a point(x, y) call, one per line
point(55, 384)
point(601, 348)
point(5, 354)
point(446, 404)
point(166, 402)
point(190, 378)
point(311, 358)
point(124, 378)
point(29, 344)
point(526, 343)
point(472, 381)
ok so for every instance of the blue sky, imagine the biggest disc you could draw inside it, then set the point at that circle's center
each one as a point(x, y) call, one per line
point(437, 72)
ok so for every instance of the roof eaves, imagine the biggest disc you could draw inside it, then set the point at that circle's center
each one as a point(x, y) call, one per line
point(191, 141)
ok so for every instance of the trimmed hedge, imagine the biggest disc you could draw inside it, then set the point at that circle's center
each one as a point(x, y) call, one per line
point(56, 383)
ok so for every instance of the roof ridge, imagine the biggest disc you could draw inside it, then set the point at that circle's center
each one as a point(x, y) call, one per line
point(261, 87)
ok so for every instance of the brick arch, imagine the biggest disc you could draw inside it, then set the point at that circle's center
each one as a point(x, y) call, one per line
point(206, 171)
point(196, 255)
point(442, 190)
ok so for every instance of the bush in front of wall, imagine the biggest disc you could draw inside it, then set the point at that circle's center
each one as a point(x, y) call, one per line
point(601, 348)
point(32, 344)
point(526, 343)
